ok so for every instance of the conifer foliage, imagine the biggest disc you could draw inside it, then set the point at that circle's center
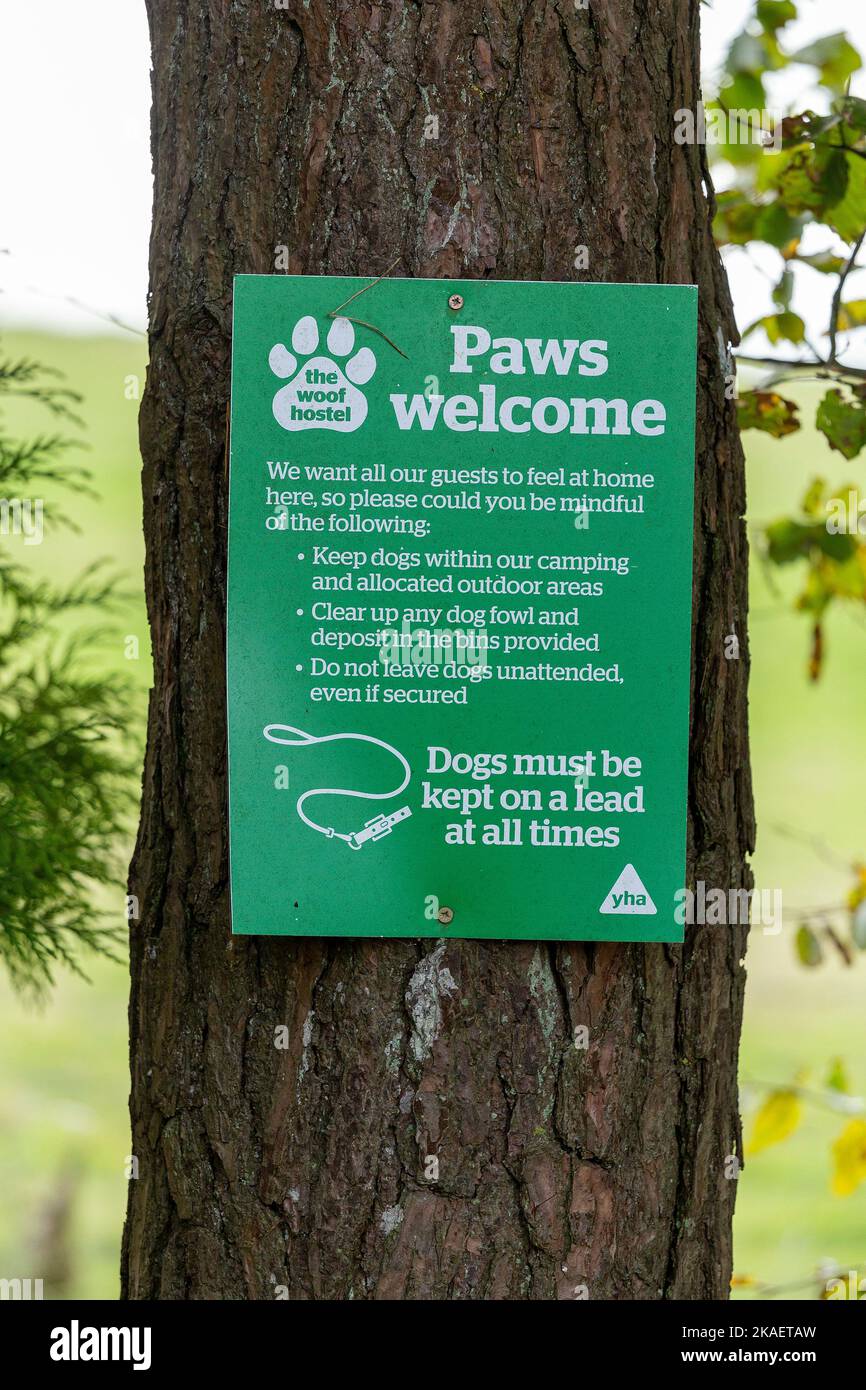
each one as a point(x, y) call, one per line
point(64, 763)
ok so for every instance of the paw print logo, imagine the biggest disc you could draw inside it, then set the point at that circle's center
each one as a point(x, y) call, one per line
point(322, 394)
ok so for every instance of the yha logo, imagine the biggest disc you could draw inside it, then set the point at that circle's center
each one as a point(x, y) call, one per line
point(322, 394)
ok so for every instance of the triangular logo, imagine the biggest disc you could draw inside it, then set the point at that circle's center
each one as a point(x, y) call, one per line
point(628, 895)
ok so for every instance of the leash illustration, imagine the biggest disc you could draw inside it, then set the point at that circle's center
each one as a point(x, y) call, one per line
point(379, 826)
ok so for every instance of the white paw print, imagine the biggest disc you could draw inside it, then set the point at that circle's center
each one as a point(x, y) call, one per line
point(322, 395)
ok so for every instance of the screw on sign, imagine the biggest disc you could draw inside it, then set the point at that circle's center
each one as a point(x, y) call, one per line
point(445, 915)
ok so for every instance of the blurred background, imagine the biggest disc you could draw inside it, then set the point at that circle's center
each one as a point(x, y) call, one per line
point(73, 276)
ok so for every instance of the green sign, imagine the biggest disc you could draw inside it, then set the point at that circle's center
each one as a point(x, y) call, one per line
point(460, 577)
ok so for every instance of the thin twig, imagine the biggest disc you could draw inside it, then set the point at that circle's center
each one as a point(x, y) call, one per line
point(837, 297)
point(819, 1277)
point(363, 290)
point(337, 313)
point(831, 1100)
point(373, 329)
point(823, 369)
point(814, 842)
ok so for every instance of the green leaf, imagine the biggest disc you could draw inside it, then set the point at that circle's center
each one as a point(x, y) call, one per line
point(824, 261)
point(789, 540)
point(854, 117)
point(858, 926)
point(848, 215)
point(776, 225)
point(809, 949)
point(740, 219)
point(852, 314)
point(747, 54)
point(842, 421)
point(744, 92)
point(784, 290)
point(773, 15)
point(848, 576)
point(736, 219)
point(733, 122)
point(785, 327)
point(807, 126)
point(813, 498)
point(812, 180)
point(837, 1077)
point(767, 411)
point(834, 56)
point(838, 548)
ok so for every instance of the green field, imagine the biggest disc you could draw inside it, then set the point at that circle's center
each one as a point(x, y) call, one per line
point(63, 1070)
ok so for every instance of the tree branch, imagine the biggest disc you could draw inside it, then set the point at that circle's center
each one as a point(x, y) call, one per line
point(837, 297)
point(822, 369)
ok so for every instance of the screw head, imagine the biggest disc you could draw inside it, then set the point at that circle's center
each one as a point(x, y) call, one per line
point(445, 915)
point(455, 301)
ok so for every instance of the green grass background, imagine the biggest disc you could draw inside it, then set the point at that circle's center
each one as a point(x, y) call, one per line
point(63, 1068)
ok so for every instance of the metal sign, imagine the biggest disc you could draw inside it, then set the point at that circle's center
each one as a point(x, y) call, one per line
point(460, 580)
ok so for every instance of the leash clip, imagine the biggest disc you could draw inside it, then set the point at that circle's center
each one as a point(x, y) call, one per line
point(377, 828)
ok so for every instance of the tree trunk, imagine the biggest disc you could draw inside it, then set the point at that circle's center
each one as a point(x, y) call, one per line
point(563, 1173)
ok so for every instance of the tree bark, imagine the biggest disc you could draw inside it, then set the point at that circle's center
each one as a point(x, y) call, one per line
point(270, 1173)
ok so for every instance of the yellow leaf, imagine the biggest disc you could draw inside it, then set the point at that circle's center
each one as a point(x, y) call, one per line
point(858, 892)
point(777, 1118)
point(849, 1156)
point(743, 1281)
point(851, 315)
